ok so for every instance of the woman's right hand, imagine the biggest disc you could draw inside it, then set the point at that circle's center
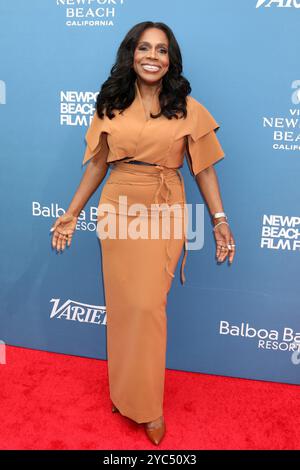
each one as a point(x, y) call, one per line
point(63, 230)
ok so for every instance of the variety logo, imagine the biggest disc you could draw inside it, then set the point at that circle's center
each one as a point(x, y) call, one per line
point(278, 3)
point(280, 232)
point(286, 135)
point(286, 340)
point(93, 13)
point(78, 311)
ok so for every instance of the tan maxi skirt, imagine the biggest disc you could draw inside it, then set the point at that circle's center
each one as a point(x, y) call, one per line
point(140, 253)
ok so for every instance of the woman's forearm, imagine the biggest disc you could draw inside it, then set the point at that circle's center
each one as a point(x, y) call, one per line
point(207, 181)
point(92, 178)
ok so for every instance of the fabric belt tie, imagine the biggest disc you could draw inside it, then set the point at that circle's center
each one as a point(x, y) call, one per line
point(163, 181)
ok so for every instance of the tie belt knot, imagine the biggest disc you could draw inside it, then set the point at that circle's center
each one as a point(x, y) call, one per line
point(163, 180)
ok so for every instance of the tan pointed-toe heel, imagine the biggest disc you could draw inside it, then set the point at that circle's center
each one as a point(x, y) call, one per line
point(114, 409)
point(155, 431)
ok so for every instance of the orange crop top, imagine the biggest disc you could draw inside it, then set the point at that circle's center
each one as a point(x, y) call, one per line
point(130, 135)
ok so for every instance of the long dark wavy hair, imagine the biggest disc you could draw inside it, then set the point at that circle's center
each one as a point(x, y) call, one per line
point(117, 92)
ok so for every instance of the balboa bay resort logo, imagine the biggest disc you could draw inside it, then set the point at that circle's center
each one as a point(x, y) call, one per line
point(154, 222)
point(86, 222)
point(78, 311)
point(77, 107)
point(286, 135)
point(280, 232)
point(285, 340)
point(278, 3)
point(91, 13)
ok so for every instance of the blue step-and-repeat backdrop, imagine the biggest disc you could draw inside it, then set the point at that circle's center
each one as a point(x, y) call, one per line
point(241, 58)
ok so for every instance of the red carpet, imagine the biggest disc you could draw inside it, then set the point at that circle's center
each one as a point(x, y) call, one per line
point(55, 401)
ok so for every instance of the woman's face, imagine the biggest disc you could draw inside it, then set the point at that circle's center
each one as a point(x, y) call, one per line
point(151, 56)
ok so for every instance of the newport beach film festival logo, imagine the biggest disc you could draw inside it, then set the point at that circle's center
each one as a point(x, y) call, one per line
point(286, 134)
point(278, 3)
point(280, 232)
point(77, 107)
point(90, 13)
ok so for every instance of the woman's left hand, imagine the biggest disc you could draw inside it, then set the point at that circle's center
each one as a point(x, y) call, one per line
point(224, 241)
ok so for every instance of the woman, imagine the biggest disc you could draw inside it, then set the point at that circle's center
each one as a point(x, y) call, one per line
point(144, 123)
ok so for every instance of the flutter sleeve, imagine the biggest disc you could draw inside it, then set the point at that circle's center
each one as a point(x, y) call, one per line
point(203, 147)
point(96, 138)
